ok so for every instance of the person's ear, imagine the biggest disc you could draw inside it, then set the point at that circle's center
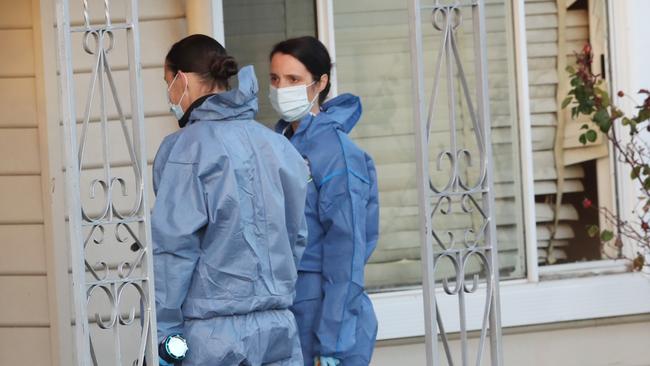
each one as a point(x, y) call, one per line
point(322, 82)
point(184, 80)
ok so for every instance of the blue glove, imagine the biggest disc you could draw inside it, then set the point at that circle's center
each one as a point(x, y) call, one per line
point(328, 361)
point(165, 363)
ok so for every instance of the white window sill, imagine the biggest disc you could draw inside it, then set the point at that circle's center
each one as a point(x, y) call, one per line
point(400, 314)
point(583, 269)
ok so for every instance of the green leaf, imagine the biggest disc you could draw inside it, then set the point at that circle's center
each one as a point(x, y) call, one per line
point(646, 183)
point(570, 69)
point(566, 102)
point(584, 127)
point(606, 235)
point(633, 123)
point(634, 174)
point(604, 128)
point(601, 116)
point(605, 98)
point(583, 139)
point(592, 230)
point(644, 115)
point(591, 135)
point(646, 169)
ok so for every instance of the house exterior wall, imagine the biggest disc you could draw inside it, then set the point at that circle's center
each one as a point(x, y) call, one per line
point(25, 320)
point(620, 342)
point(28, 306)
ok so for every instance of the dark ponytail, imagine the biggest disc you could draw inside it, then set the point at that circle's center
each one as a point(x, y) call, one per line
point(311, 53)
point(204, 56)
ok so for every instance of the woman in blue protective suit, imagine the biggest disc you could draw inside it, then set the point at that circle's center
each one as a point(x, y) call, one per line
point(228, 223)
point(335, 317)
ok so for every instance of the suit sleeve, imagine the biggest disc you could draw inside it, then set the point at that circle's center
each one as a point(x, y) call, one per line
point(177, 220)
point(295, 176)
point(372, 209)
point(343, 199)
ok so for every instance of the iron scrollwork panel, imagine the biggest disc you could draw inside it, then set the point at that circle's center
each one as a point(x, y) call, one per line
point(106, 178)
point(453, 135)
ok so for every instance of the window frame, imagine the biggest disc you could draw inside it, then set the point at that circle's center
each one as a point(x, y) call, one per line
point(401, 314)
point(547, 294)
point(325, 33)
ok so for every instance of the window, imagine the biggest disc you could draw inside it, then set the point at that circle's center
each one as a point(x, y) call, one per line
point(373, 61)
point(252, 28)
point(372, 48)
point(566, 171)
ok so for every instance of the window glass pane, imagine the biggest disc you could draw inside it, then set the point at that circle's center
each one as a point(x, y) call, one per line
point(561, 228)
point(373, 61)
point(253, 27)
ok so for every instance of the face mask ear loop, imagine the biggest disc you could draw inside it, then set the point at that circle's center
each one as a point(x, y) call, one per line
point(314, 100)
point(187, 84)
point(172, 83)
point(311, 103)
point(184, 90)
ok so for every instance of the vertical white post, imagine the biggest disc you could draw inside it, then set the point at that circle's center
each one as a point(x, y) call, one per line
point(618, 50)
point(483, 105)
point(73, 197)
point(525, 138)
point(629, 53)
point(325, 29)
point(148, 315)
point(206, 17)
point(422, 168)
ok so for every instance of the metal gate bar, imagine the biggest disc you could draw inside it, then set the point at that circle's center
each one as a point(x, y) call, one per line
point(133, 271)
point(457, 195)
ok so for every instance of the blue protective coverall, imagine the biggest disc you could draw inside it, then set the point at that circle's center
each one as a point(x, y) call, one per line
point(228, 230)
point(334, 314)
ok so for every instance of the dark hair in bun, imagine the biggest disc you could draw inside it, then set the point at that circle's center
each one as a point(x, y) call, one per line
point(204, 56)
point(224, 68)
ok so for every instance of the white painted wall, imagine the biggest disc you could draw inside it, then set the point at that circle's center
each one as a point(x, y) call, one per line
point(620, 342)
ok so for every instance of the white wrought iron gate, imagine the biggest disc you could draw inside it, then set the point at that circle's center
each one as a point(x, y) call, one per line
point(105, 168)
point(452, 180)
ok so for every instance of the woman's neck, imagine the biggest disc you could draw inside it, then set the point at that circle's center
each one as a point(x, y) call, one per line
point(195, 94)
point(315, 109)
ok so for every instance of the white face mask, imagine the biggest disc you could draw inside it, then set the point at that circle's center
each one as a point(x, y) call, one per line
point(291, 103)
point(176, 109)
